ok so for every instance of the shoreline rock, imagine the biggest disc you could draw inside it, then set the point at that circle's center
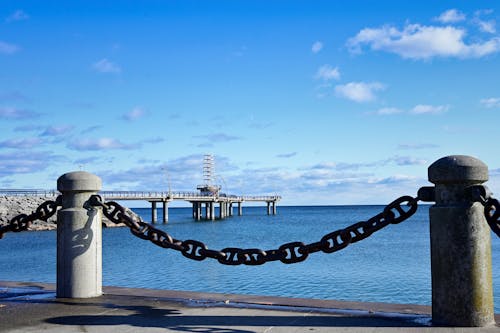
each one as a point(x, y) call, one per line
point(11, 206)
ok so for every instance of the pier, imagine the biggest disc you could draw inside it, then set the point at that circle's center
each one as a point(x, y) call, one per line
point(203, 202)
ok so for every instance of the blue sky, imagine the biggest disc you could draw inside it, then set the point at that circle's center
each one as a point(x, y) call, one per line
point(322, 102)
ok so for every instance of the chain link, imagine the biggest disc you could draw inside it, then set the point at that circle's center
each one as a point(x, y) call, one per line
point(492, 214)
point(289, 253)
point(483, 195)
point(22, 222)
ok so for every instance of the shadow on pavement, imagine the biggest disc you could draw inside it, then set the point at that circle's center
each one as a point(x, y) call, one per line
point(175, 319)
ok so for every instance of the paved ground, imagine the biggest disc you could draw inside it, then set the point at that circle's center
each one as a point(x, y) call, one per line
point(32, 307)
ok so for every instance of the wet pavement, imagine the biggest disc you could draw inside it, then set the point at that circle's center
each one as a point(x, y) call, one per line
point(33, 307)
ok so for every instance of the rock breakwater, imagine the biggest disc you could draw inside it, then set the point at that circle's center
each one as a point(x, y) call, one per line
point(11, 206)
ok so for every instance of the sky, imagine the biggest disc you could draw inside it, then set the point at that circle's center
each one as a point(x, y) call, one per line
point(321, 102)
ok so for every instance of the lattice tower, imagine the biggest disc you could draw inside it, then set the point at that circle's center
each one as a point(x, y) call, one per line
point(208, 169)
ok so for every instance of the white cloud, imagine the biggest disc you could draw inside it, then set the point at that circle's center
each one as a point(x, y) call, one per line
point(327, 72)
point(287, 155)
point(487, 26)
point(429, 109)
point(24, 143)
point(388, 111)
point(417, 109)
point(218, 137)
point(316, 47)
point(57, 130)
point(451, 16)
point(24, 162)
point(324, 180)
point(100, 144)
point(106, 66)
point(18, 15)
point(407, 160)
point(489, 103)
point(134, 114)
point(396, 179)
point(14, 113)
point(28, 128)
point(6, 48)
point(416, 41)
point(359, 91)
point(185, 174)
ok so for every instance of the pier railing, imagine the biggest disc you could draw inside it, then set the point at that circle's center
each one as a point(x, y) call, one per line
point(28, 192)
point(144, 195)
point(182, 195)
point(127, 195)
point(460, 222)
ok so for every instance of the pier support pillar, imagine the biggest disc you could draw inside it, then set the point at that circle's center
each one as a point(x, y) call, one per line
point(79, 237)
point(230, 209)
point(268, 208)
point(274, 207)
point(221, 210)
point(206, 211)
point(212, 211)
point(165, 212)
point(154, 215)
point(196, 210)
point(462, 293)
point(240, 209)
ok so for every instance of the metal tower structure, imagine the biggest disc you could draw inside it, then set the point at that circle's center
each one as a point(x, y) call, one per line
point(208, 169)
point(209, 185)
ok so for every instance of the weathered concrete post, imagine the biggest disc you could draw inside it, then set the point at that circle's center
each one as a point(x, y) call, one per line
point(79, 237)
point(240, 209)
point(462, 292)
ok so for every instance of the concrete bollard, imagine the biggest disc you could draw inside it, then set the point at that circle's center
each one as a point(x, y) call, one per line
point(462, 292)
point(79, 237)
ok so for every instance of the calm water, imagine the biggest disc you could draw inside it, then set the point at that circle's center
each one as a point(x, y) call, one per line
point(392, 265)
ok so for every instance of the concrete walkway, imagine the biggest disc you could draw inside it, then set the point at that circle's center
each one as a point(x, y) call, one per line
point(32, 307)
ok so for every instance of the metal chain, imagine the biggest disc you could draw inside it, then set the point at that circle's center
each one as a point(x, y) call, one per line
point(492, 214)
point(22, 222)
point(289, 253)
point(482, 194)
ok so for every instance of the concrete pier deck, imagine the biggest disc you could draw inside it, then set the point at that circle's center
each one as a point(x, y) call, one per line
point(33, 307)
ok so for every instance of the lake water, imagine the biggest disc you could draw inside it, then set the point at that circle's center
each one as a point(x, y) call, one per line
point(393, 265)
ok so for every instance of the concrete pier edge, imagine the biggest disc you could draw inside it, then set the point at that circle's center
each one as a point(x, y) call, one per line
point(192, 297)
point(30, 297)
